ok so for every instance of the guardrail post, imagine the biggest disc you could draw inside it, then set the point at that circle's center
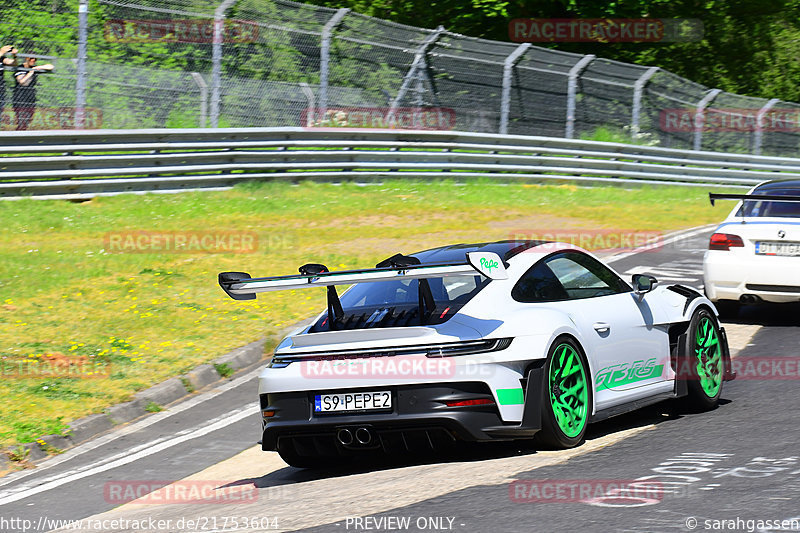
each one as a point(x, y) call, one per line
point(216, 59)
point(203, 86)
point(419, 61)
point(505, 102)
point(325, 56)
point(80, 80)
point(699, 117)
point(638, 90)
point(759, 133)
point(572, 91)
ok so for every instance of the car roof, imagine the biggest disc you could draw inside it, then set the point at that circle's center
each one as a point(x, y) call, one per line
point(455, 252)
point(778, 187)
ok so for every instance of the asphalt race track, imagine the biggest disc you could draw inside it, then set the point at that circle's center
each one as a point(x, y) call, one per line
point(734, 469)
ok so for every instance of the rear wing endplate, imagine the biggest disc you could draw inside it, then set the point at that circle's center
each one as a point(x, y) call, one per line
point(240, 286)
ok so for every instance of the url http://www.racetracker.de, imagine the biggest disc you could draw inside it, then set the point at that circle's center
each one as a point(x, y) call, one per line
point(195, 524)
point(750, 525)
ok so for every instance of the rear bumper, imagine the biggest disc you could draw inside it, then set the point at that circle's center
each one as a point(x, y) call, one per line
point(419, 418)
point(730, 275)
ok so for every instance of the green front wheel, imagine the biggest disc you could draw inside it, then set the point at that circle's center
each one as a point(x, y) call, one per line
point(705, 361)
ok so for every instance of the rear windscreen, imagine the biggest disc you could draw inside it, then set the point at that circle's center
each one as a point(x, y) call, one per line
point(396, 303)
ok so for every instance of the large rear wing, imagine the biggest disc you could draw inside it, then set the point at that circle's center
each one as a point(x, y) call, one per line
point(240, 286)
point(713, 196)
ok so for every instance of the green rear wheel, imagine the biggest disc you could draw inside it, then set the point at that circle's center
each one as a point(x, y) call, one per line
point(566, 396)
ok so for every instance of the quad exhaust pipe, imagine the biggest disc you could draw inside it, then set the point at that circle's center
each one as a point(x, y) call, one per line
point(363, 436)
point(360, 436)
point(345, 437)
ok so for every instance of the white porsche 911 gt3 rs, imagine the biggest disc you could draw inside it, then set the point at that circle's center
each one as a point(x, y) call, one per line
point(479, 342)
point(754, 255)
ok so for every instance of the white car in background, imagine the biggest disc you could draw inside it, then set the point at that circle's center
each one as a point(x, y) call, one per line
point(478, 342)
point(754, 255)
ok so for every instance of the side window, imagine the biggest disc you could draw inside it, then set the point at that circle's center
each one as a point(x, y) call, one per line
point(567, 276)
point(539, 284)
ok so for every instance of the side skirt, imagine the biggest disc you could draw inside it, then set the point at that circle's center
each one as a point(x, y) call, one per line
point(630, 406)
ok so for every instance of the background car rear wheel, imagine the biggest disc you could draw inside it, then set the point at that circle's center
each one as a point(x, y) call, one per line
point(705, 362)
point(566, 396)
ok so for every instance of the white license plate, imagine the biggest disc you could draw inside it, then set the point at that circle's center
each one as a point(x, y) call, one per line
point(353, 401)
point(778, 248)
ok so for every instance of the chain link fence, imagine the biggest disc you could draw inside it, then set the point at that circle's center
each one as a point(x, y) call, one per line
point(263, 63)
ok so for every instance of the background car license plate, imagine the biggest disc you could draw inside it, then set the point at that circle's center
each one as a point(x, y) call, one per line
point(778, 248)
point(353, 401)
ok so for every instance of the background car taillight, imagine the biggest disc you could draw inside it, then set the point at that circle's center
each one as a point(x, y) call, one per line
point(725, 241)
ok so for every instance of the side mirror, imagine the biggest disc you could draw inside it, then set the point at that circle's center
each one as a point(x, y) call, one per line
point(642, 283)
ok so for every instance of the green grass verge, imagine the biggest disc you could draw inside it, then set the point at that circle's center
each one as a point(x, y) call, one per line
point(145, 317)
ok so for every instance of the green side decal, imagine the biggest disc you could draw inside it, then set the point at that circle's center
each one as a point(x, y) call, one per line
point(623, 374)
point(510, 396)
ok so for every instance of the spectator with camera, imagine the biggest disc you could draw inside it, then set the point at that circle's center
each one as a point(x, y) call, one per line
point(24, 97)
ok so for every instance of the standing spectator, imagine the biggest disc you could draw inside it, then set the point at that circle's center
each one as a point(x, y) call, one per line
point(8, 59)
point(24, 98)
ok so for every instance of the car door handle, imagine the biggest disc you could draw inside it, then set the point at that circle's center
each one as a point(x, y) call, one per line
point(601, 327)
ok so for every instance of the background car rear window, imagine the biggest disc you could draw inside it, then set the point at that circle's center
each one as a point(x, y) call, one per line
point(755, 208)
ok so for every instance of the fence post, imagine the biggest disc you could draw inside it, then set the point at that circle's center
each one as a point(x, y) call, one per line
point(699, 117)
point(80, 80)
point(759, 133)
point(638, 90)
point(505, 102)
point(310, 102)
point(325, 57)
point(419, 60)
point(572, 90)
point(216, 59)
point(203, 86)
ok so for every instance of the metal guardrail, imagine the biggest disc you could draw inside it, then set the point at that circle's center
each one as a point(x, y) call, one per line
point(82, 164)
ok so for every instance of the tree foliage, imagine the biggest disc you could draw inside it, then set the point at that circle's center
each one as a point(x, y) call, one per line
point(749, 47)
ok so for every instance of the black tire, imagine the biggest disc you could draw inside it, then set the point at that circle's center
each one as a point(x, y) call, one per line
point(552, 434)
point(727, 308)
point(703, 362)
